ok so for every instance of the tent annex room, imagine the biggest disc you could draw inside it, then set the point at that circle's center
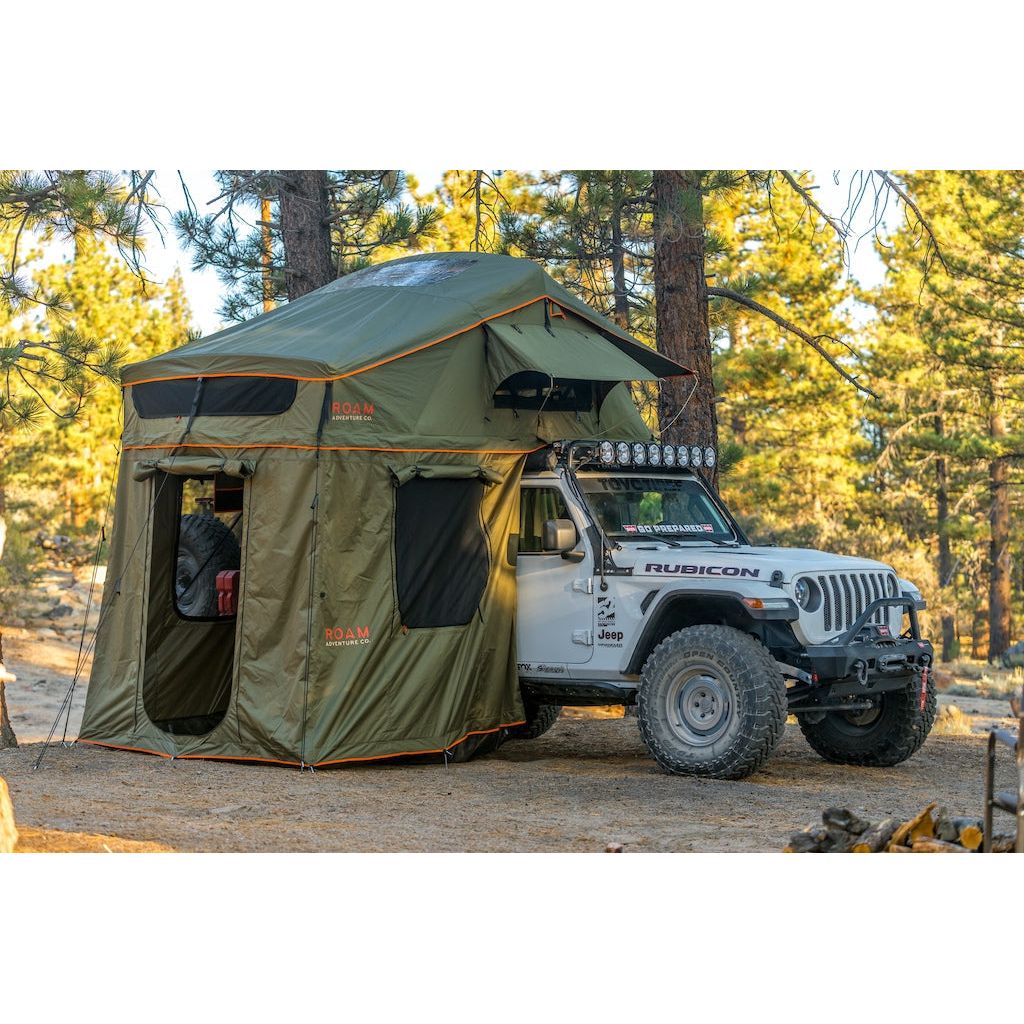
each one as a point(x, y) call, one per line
point(316, 514)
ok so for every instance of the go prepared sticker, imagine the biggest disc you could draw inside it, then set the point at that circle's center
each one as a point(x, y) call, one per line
point(669, 528)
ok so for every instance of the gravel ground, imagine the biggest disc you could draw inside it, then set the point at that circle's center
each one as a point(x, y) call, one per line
point(583, 785)
point(586, 783)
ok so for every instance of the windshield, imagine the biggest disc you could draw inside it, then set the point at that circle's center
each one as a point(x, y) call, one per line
point(631, 507)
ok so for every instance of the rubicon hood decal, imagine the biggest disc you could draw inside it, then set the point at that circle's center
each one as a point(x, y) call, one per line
point(676, 569)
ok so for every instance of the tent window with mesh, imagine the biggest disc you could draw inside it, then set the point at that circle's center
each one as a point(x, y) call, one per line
point(441, 551)
point(221, 396)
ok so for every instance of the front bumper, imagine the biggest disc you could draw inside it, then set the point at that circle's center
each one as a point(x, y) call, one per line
point(870, 660)
point(866, 653)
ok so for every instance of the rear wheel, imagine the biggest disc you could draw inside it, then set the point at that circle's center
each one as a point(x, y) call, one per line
point(711, 702)
point(882, 736)
point(539, 718)
point(205, 547)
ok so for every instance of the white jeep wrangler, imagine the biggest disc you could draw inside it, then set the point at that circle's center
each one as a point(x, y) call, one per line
point(637, 587)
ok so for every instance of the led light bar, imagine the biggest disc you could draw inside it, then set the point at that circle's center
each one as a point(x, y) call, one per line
point(635, 454)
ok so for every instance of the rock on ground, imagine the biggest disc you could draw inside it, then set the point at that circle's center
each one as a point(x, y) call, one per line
point(8, 832)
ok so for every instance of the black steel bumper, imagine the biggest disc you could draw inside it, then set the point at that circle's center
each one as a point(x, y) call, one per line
point(865, 654)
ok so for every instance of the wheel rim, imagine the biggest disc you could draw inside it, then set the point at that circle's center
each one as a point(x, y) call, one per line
point(864, 718)
point(183, 578)
point(699, 706)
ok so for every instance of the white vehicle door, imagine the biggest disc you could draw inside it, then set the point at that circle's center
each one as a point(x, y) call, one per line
point(555, 603)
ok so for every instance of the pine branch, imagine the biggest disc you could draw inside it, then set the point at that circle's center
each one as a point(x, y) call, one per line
point(911, 205)
point(814, 341)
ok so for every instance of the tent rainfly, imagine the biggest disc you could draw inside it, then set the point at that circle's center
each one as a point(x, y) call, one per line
point(313, 553)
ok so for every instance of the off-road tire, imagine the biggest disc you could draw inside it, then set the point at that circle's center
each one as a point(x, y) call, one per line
point(539, 718)
point(205, 547)
point(751, 712)
point(896, 734)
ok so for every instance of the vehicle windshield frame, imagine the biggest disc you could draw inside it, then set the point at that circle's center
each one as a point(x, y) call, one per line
point(735, 534)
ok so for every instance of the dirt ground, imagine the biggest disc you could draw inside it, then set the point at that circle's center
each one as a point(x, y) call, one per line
point(586, 783)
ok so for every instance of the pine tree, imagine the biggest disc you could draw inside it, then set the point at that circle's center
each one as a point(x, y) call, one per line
point(322, 225)
point(964, 422)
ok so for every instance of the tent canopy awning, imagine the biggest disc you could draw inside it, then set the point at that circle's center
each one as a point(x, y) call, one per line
point(384, 313)
point(560, 351)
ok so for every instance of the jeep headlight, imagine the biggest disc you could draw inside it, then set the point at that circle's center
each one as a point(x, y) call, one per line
point(807, 594)
point(907, 589)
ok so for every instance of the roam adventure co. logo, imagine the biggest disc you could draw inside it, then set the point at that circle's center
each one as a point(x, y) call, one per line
point(352, 411)
point(346, 636)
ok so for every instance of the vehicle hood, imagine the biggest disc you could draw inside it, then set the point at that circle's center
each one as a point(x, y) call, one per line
point(657, 559)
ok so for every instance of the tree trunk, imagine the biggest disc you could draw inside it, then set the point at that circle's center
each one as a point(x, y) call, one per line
point(618, 257)
point(305, 231)
point(266, 255)
point(977, 629)
point(1000, 564)
point(681, 301)
point(945, 566)
point(7, 737)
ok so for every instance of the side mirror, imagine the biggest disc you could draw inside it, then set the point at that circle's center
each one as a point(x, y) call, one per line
point(559, 535)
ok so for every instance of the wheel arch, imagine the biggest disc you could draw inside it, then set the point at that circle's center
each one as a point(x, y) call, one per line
point(676, 611)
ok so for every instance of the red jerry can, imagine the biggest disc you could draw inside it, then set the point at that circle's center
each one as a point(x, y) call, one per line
point(227, 592)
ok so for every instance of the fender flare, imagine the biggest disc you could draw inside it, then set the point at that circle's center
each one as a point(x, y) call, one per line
point(732, 599)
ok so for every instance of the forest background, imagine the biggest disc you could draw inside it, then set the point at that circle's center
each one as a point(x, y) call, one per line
point(881, 420)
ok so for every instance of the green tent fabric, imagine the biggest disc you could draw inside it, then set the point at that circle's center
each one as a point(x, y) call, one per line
point(383, 313)
point(570, 353)
point(338, 480)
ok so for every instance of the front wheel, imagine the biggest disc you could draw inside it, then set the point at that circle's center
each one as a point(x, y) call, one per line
point(711, 702)
point(878, 737)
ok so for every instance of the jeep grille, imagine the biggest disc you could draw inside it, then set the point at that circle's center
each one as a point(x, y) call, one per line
point(845, 595)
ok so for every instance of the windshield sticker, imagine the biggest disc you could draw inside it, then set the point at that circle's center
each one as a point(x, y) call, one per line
point(668, 528)
point(638, 483)
point(701, 570)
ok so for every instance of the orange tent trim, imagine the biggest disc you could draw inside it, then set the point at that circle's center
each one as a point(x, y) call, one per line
point(297, 764)
point(340, 448)
point(381, 362)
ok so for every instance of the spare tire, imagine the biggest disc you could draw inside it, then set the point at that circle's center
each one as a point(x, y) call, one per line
point(205, 547)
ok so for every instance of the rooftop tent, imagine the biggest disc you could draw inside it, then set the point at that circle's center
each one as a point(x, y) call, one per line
point(312, 559)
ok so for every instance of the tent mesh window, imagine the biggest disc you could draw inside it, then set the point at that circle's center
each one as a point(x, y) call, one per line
point(529, 389)
point(441, 551)
point(189, 641)
point(221, 396)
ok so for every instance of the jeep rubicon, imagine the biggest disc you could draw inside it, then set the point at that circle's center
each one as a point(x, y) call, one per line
point(636, 586)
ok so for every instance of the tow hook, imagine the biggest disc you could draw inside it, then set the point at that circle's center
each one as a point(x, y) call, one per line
point(860, 669)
